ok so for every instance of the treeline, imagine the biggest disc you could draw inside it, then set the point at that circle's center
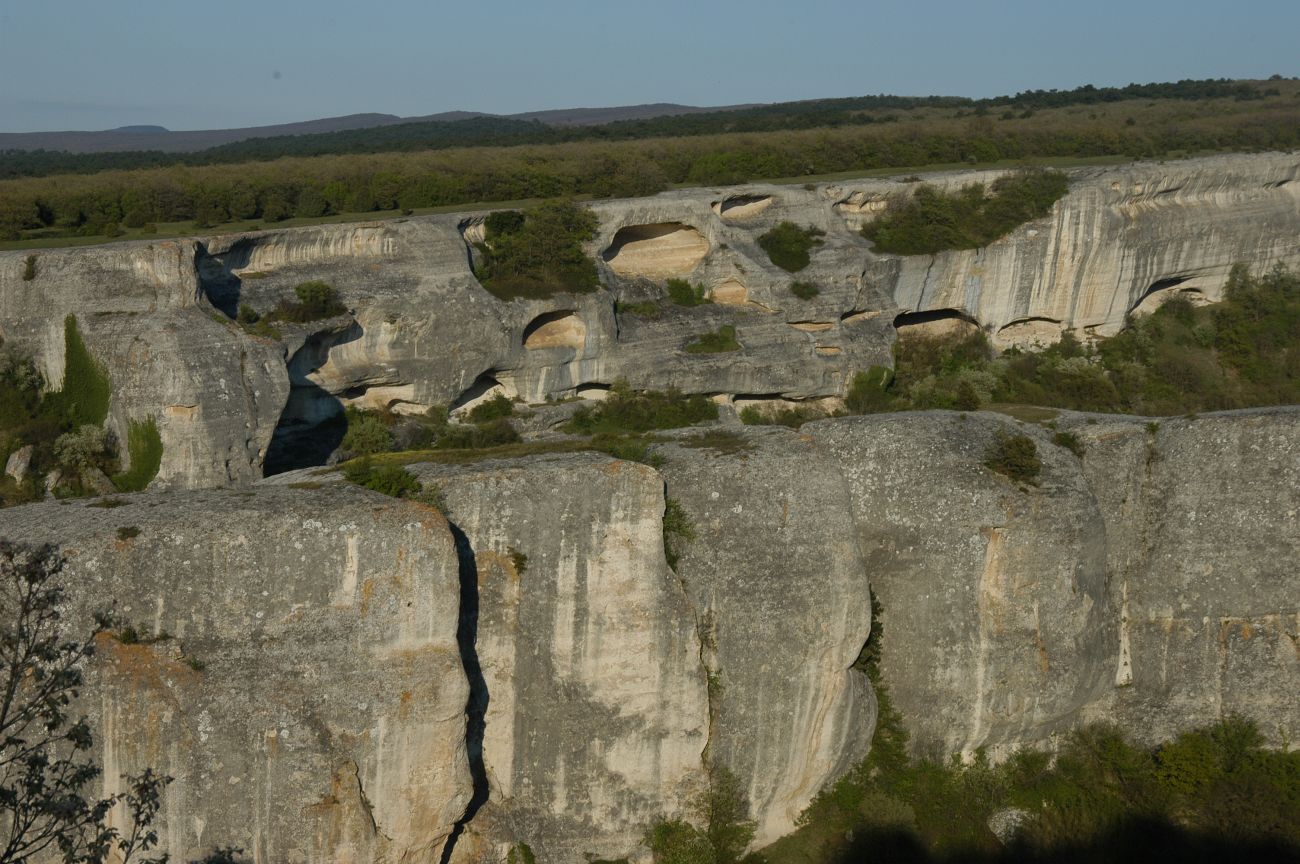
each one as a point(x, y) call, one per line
point(506, 131)
point(108, 202)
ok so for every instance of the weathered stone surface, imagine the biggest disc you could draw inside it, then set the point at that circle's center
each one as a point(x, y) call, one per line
point(1122, 232)
point(1203, 527)
point(596, 714)
point(997, 628)
point(310, 701)
point(18, 463)
point(1151, 585)
point(215, 392)
point(424, 332)
point(781, 595)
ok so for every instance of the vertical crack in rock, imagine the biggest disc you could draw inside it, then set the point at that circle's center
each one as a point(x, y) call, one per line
point(477, 704)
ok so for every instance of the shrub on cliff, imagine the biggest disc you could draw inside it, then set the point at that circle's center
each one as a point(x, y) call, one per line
point(718, 342)
point(788, 245)
point(1014, 456)
point(540, 253)
point(932, 220)
point(869, 391)
point(683, 293)
point(367, 433)
point(316, 300)
point(627, 411)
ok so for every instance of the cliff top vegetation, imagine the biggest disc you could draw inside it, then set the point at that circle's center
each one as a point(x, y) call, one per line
point(172, 194)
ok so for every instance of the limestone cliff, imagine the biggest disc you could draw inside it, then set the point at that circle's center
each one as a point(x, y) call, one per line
point(308, 696)
point(421, 330)
point(349, 677)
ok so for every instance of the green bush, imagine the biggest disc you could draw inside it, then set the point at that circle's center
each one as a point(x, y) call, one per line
point(247, 315)
point(931, 220)
point(719, 342)
point(804, 290)
point(683, 293)
point(29, 268)
point(789, 245)
point(723, 811)
point(678, 529)
point(316, 300)
point(539, 253)
point(144, 444)
point(1069, 441)
point(624, 411)
point(82, 449)
point(521, 854)
point(479, 436)
point(387, 479)
point(1014, 456)
point(367, 433)
point(869, 391)
point(491, 409)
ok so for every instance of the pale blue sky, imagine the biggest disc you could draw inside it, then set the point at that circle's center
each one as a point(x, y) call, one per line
point(90, 64)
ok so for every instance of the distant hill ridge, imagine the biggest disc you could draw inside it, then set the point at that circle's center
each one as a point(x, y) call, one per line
point(159, 138)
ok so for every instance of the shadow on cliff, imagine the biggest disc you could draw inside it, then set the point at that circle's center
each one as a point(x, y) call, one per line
point(477, 704)
point(1140, 841)
point(313, 423)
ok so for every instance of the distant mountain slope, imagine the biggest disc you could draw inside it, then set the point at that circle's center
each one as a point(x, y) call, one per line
point(130, 138)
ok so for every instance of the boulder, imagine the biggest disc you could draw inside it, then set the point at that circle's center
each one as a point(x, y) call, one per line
point(19, 462)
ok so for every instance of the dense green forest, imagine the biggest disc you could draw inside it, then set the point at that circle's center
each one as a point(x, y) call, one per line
point(1173, 120)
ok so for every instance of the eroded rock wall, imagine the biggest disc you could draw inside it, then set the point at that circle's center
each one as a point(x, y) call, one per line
point(309, 699)
point(596, 714)
point(332, 650)
point(998, 628)
point(422, 331)
point(1201, 520)
point(773, 565)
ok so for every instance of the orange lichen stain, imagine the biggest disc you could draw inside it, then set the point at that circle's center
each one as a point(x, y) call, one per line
point(404, 705)
point(367, 594)
point(494, 563)
point(1246, 630)
point(613, 468)
point(141, 667)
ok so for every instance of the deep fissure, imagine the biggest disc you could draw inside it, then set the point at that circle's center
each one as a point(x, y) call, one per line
point(477, 704)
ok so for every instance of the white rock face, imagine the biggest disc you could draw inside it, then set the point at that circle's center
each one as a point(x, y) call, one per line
point(778, 579)
point(596, 715)
point(310, 701)
point(1120, 233)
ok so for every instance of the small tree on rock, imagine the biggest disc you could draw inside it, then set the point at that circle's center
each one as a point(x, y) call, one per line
point(46, 768)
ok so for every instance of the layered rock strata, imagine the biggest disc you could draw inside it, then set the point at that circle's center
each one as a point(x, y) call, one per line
point(422, 331)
